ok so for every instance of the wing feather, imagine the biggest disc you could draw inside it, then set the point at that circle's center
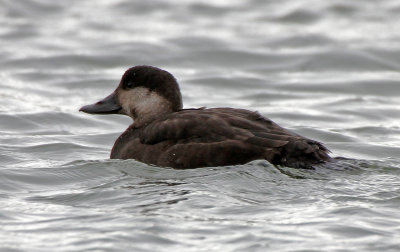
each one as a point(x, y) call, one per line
point(222, 136)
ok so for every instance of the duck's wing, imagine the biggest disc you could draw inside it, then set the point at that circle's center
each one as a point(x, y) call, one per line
point(298, 151)
point(226, 136)
point(214, 125)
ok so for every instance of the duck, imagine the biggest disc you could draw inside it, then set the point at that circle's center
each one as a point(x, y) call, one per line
point(165, 134)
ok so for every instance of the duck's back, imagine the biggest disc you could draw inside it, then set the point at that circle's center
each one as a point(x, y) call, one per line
point(214, 137)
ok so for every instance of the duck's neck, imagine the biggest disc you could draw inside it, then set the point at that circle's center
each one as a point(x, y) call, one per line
point(152, 107)
point(146, 116)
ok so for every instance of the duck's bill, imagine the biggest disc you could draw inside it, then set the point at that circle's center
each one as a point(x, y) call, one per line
point(108, 105)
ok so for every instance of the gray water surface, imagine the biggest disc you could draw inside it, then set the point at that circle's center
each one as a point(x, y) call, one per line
point(328, 70)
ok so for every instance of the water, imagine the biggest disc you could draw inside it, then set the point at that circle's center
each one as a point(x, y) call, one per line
point(324, 69)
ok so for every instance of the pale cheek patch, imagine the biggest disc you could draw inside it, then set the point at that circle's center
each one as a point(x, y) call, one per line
point(143, 102)
point(130, 99)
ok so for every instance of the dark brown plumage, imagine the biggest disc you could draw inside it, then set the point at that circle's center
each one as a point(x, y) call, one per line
point(164, 134)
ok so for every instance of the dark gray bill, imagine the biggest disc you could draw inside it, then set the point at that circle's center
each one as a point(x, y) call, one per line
point(108, 105)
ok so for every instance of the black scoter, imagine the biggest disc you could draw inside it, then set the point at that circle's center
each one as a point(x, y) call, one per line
point(165, 134)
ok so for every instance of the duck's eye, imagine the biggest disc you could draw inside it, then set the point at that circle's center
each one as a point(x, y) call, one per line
point(130, 85)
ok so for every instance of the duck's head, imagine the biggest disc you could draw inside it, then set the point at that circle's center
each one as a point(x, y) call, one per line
point(144, 93)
